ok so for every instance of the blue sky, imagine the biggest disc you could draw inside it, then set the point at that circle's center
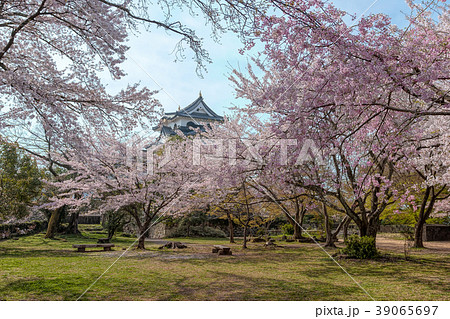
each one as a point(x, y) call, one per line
point(151, 60)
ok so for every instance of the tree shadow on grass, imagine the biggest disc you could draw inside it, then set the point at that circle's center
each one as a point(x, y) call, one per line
point(6, 252)
point(44, 288)
point(38, 246)
point(422, 274)
point(218, 286)
point(232, 286)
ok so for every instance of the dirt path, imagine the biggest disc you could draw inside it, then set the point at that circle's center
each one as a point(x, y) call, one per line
point(387, 244)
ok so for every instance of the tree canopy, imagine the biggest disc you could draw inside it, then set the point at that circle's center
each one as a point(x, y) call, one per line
point(20, 182)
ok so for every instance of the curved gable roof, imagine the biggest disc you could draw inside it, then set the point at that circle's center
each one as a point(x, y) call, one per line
point(197, 109)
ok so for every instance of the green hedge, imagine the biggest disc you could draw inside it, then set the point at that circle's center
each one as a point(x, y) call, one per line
point(360, 247)
point(287, 229)
point(198, 231)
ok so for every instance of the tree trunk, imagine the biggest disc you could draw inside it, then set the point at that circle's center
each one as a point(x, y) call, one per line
point(142, 227)
point(374, 225)
point(345, 230)
point(244, 245)
point(424, 214)
point(54, 222)
point(141, 242)
point(111, 234)
point(73, 224)
point(370, 228)
point(143, 233)
point(230, 228)
point(111, 231)
point(329, 239)
point(366, 230)
point(299, 214)
point(297, 231)
point(418, 235)
point(338, 229)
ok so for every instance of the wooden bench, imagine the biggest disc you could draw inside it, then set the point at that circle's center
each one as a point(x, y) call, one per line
point(222, 250)
point(82, 247)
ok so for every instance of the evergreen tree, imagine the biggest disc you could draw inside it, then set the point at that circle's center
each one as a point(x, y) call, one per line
point(20, 182)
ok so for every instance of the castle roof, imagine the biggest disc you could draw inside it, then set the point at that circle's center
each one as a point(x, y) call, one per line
point(196, 114)
point(196, 110)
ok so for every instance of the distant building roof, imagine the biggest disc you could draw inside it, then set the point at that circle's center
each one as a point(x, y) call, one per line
point(193, 111)
point(197, 113)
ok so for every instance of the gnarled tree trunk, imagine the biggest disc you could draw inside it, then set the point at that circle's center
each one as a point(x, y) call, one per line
point(424, 214)
point(418, 235)
point(369, 226)
point(143, 233)
point(329, 236)
point(54, 222)
point(141, 242)
point(72, 228)
point(299, 214)
point(341, 225)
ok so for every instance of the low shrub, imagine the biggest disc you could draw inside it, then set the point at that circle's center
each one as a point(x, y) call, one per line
point(287, 229)
point(360, 247)
point(198, 231)
point(315, 233)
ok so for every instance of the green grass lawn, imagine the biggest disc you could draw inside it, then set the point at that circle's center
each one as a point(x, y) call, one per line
point(34, 268)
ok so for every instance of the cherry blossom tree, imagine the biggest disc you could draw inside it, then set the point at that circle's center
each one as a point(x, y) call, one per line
point(51, 54)
point(430, 162)
point(273, 185)
point(356, 91)
point(228, 167)
point(312, 57)
point(104, 174)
